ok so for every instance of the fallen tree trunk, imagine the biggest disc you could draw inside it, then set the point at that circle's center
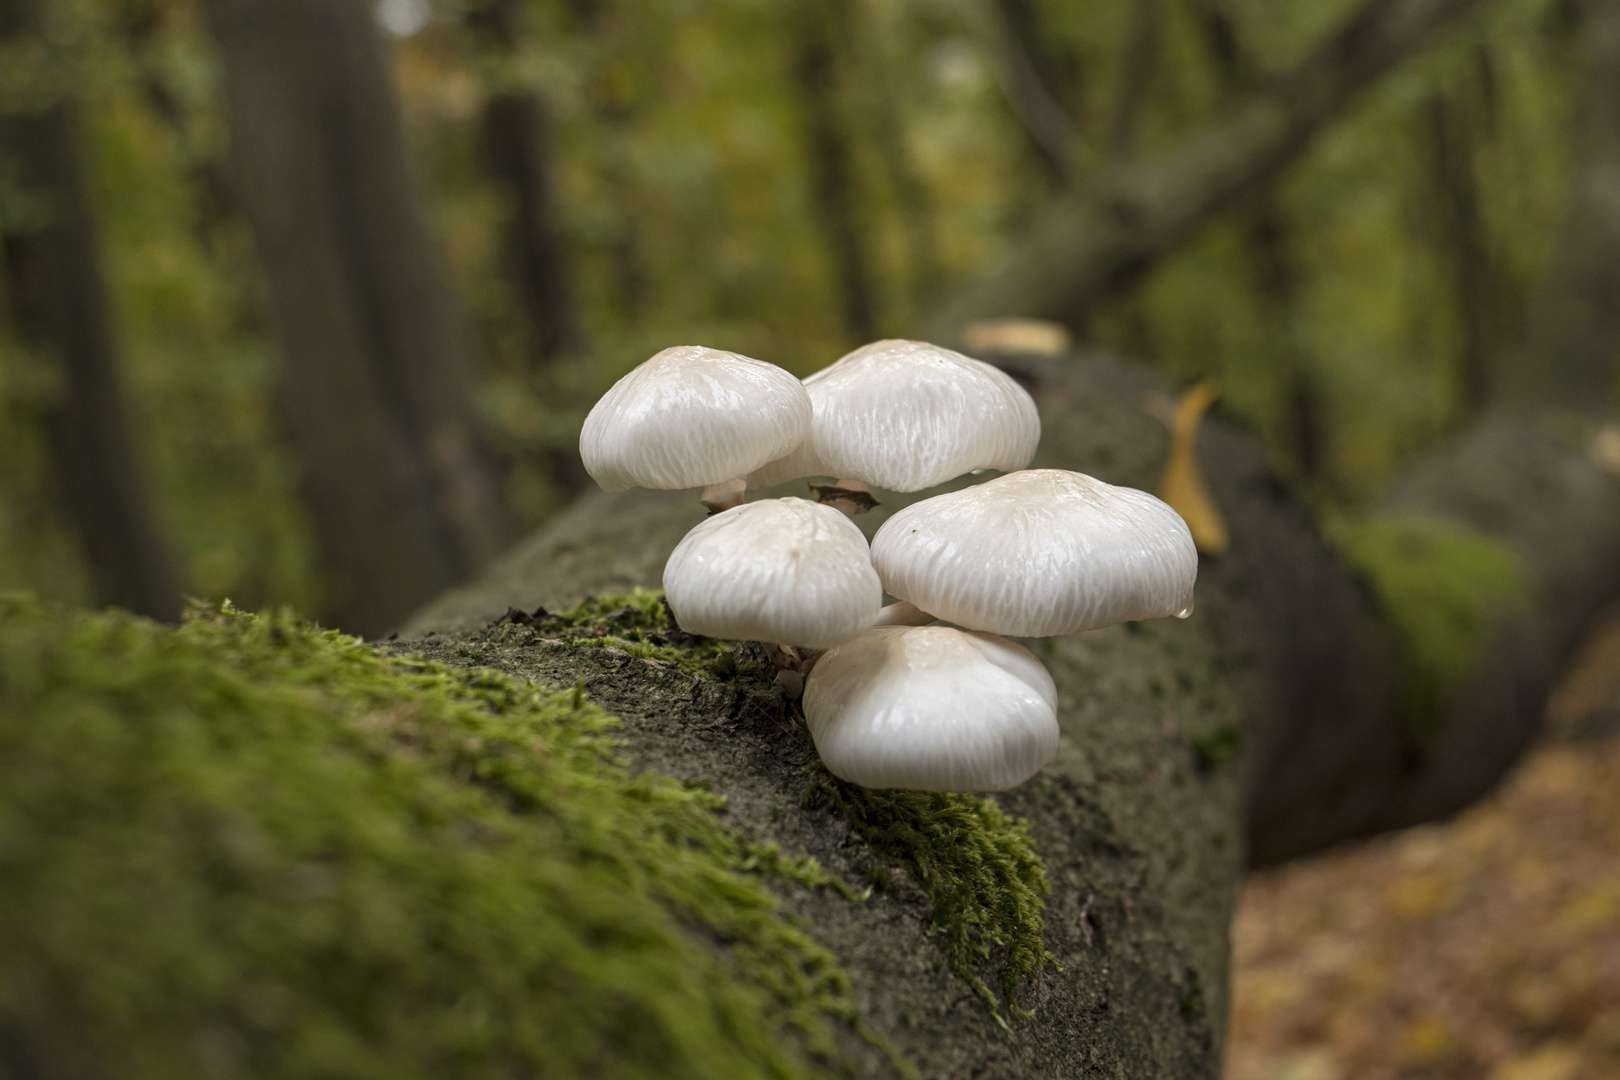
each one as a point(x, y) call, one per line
point(1288, 714)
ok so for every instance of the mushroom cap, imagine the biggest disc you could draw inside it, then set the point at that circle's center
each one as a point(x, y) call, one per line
point(1039, 552)
point(906, 415)
point(690, 417)
point(788, 571)
point(932, 708)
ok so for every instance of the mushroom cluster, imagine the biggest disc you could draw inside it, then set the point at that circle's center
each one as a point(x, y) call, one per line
point(892, 699)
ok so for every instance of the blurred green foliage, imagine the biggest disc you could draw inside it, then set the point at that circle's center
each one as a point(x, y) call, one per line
point(684, 194)
point(1444, 587)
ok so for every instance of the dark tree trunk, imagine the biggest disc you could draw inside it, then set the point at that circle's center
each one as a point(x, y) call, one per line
point(816, 28)
point(376, 386)
point(1452, 140)
point(1088, 245)
point(516, 144)
point(59, 309)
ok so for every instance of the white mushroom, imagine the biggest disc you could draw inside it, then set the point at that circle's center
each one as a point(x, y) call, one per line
point(932, 708)
point(787, 571)
point(1037, 553)
point(906, 415)
point(694, 417)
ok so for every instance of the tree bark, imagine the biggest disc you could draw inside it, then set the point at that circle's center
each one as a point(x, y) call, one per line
point(1085, 246)
point(516, 146)
point(375, 387)
point(1269, 725)
point(60, 309)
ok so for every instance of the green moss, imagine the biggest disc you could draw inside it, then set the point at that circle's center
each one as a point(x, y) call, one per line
point(1213, 748)
point(977, 866)
point(1442, 585)
point(250, 847)
point(639, 623)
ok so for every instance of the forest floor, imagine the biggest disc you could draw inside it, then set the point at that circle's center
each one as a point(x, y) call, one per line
point(1485, 948)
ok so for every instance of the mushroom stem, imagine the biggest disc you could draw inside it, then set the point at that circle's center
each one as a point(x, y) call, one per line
point(904, 613)
point(848, 497)
point(724, 496)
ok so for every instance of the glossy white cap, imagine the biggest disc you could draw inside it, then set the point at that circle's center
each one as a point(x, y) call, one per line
point(787, 571)
point(1037, 553)
point(932, 708)
point(906, 415)
point(691, 417)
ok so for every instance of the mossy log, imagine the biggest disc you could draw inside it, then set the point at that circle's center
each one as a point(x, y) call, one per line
point(1306, 702)
point(249, 848)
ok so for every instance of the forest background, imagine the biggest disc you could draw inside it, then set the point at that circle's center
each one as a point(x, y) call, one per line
point(1346, 309)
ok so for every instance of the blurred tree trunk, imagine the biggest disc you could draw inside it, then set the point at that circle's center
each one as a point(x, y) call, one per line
point(516, 144)
point(60, 310)
point(1452, 140)
point(1574, 334)
point(376, 386)
point(1092, 243)
point(817, 29)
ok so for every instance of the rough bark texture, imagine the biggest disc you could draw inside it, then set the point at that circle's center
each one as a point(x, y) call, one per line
point(1267, 725)
point(1085, 246)
point(375, 384)
point(59, 308)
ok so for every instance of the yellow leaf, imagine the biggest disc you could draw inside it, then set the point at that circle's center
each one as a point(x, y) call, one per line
point(1183, 484)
